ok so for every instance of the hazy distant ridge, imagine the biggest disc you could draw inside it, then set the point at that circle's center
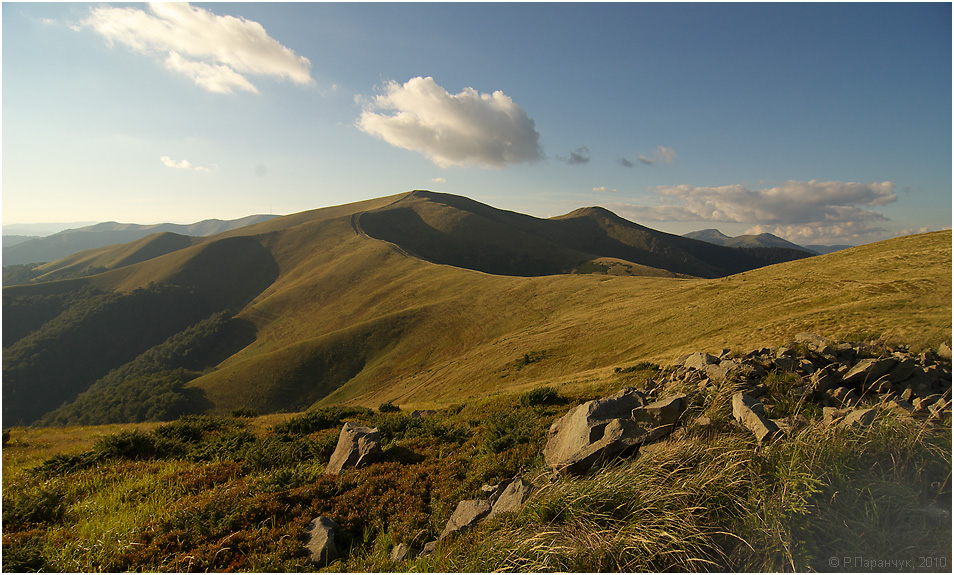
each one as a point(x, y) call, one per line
point(714, 236)
point(68, 242)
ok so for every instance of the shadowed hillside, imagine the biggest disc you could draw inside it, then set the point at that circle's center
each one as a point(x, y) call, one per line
point(373, 301)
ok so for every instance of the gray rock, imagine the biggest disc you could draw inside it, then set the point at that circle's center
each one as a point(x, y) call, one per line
point(321, 541)
point(813, 341)
point(858, 417)
point(903, 370)
point(944, 351)
point(511, 498)
point(869, 370)
point(700, 361)
point(786, 363)
point(401, 552)
point(899, 406)
point(749, 413)
point(832, 415)
point(592, 433)
point(825, 379)
point(358, 446)
point(429, 548)
point(467, 514)
point(418, 413)
point(843, 397)
point(660, 417)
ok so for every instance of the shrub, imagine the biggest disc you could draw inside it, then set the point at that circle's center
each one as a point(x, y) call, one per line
point(45, 505)
point(244, 412)
point(540, 396)
point(133, 445)
point(388, 407)
point(324, 418)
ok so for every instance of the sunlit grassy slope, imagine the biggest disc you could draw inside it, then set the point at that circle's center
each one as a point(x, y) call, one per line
point(343, 317)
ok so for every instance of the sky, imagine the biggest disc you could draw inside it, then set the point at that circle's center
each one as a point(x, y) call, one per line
point(820, 123)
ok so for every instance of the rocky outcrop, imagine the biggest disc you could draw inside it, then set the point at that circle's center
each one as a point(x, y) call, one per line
point(321, 541)
point(467, 514)
point(510, 498)
point(357, 447)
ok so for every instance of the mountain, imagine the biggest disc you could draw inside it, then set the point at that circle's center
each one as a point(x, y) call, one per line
point(71, 241)
point(714, 236)
point(12, 240)
point(821, 249)
point(423, 299)
point(42, 229)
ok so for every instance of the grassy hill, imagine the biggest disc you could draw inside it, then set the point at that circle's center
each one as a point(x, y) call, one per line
point(391, 300)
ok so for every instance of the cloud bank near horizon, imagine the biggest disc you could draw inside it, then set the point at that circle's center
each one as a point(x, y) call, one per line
point(812, 211)
point(215, 52)
point(468, 128)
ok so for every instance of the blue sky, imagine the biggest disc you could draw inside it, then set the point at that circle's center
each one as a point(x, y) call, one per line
point(821, 123)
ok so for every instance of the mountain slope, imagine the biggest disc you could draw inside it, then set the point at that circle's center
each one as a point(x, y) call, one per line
point(342, 316)
point(68, 242)
point(714, 236)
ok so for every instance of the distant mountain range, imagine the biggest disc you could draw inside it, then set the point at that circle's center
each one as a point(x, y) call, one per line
point(714, 236)
point(18, 249)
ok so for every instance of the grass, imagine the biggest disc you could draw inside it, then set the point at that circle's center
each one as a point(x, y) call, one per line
point(695, 502)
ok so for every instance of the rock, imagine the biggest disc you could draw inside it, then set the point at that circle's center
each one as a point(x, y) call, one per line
point(418, 413)
point(843, 397)
point(806, 366)
point(813, 341)
point(882, 386)
point(757, 391)
point(511, 498)
point(786, 363)
point(700, 361)
point(660, 417)
point(825, 379)
point(429, 548)
point(321, 541)
point(358, 446)
point(922, 404)
point(467, 514)
point(401, 552)
point(944, 351)
point(868, 370)
point(831, 415)
point(594, 432)
point(749, 414)
point(899, 406)
point(903, 370)
point(858, 417)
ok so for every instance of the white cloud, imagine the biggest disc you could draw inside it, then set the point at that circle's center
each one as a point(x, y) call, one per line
point(488, 130)
point(214, 51)
point(183, 165)
point(438, 180)
point(604, 189)
point(839, 212)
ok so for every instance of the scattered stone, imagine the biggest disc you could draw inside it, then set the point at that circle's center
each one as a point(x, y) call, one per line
point(786, 363)
point(824, 380)
point(660, 417)
point(806, 366)
point(899, 406)
point(944, 351)
point(467, 514)
point(868, 370)
point(843, 397)
point(757, 391)
point(418, 413)
point(749, 413)
point(401, 552)
point(700, 361)
point(358, 446)
point(429, 548)
point(321, 541)
point(511, 498)
point(858, 417)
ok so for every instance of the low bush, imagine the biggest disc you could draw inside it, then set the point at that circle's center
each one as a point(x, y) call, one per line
point(540, 396)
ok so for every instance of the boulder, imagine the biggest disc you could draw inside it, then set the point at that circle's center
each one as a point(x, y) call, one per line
point(843, 397)
point(594, 432)
point(831, 415)
point(869, 370)
point(786, 363)
point(321, 541)
point(858, 417)
point(944, 351)
point(511, 497)
point(429, 548)
point(467, 514)
point(358, 446)
point(660, 417)
point(825, 379)
point(749, 413)
point(700, 361)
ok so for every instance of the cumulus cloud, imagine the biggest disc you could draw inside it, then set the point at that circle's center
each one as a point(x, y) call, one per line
point(215, 52)
point(577, 157)
point(799, 211)
point(488, 130)
point(183, 165)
